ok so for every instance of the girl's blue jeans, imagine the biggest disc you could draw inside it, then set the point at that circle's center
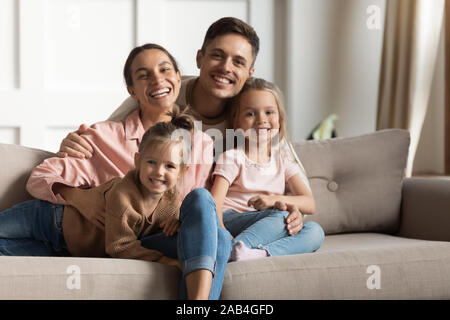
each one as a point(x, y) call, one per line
point(34, 228)
point(267, 230)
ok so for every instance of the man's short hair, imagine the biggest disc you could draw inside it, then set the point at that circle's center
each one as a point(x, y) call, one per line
point(228, 25)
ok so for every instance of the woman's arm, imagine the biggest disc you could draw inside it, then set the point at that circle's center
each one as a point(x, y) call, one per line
point(302, 197)
point(219, 191)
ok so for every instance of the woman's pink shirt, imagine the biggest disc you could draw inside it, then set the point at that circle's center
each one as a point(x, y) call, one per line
point(114, 145)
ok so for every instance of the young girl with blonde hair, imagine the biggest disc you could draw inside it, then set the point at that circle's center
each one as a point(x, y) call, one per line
point(250, 180)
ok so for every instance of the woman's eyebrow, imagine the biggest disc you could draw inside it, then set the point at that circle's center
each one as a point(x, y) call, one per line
point(141, 69)
point(147, 69)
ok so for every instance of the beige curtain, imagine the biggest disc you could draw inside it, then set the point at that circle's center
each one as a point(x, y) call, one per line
point(410, 45)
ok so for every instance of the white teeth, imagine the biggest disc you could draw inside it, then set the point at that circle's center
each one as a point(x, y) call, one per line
point(159, 93)
point(222, 80)
point(155, 181)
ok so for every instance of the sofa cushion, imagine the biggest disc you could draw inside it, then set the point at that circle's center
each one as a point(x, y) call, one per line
point(407, 269)
point(86, 278)
point(347, 266)
point(16, 163)
point(357, 181)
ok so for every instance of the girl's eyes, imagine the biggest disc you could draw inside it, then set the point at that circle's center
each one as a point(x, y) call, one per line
point(252, 114)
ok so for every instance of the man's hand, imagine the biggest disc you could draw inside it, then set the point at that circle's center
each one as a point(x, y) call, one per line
point(261, 202)
point(294, 221)
point(74, 145)
point(170, 226)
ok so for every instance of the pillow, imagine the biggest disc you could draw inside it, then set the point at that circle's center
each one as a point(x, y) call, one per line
point(357, 181)
point(16, 163)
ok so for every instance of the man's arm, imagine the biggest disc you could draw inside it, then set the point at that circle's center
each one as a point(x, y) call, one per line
point(74, 145)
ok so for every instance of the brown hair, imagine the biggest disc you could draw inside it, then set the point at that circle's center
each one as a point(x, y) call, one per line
point(264, 85)
point(127, 68)
point(228, 25)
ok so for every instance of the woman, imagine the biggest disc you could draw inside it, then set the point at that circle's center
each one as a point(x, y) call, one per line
point(153, 79)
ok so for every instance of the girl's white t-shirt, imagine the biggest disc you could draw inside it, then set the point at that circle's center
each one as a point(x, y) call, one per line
point(248, 178)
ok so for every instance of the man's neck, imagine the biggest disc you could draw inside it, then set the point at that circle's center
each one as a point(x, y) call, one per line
point(211, 109)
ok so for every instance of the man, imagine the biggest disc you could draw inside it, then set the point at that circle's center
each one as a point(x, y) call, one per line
point(226, 60)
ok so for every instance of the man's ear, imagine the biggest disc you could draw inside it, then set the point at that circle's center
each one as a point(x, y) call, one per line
point(136, 159)
point(251, 71)
point(199, 58)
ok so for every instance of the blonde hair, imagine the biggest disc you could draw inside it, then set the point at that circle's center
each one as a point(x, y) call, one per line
point(263, 85)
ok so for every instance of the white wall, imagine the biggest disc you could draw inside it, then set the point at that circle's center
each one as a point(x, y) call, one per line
point(333, 65)
point(61, 60)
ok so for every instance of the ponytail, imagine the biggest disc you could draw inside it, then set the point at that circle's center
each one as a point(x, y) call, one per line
point(162, 131)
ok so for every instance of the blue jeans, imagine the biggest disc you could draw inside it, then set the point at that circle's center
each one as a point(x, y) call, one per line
point(267, 230)
point(200, 244)
point(33, 228)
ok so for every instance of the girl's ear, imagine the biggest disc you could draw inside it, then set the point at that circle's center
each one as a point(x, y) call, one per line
point(136, 159)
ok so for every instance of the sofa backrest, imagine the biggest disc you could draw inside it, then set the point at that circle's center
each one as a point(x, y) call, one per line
point(357, 181)
point(16, 163)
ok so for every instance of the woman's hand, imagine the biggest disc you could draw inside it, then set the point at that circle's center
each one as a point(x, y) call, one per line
point(170, 262)
point(74, 145)
point(170, 226)
point(261, 202)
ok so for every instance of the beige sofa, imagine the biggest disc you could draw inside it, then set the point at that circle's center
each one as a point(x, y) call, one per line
point(386, 237)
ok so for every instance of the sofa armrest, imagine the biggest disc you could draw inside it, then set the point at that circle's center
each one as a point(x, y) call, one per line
point(425, 209)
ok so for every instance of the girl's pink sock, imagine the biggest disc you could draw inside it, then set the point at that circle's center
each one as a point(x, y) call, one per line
point(240, 252)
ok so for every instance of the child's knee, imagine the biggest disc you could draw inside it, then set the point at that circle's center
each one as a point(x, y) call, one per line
point(198, 193)
point(316, 232)
point(277, 220)
point(198, 201)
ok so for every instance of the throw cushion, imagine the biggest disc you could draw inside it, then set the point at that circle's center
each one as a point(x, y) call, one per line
point(16, 163)
point(357, 181)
